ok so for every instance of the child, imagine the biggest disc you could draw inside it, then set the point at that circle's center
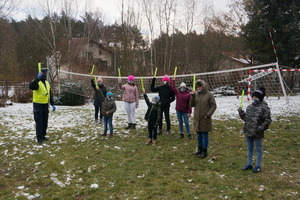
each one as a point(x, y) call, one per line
point(166, 98)
point(257, 119)
point(131, 100)
point(183, 108)
point(97, 102)
point(108, 109)
point(153, 117)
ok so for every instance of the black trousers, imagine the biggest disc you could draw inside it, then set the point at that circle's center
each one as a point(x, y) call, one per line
point(97, 109)
point(152, 131)
point(41, 113)
point(166, 111)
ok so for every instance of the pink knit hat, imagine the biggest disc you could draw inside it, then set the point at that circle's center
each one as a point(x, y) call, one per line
point(130, 78)
point(166, 78)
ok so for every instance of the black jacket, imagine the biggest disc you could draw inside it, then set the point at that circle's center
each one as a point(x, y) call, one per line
point(97, 101)
point(165, 93)
point(153, 112)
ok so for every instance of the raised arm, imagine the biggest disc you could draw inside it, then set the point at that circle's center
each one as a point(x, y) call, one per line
point(174, 89)
point(147, 100)
point(153, 88)
point(120, 86)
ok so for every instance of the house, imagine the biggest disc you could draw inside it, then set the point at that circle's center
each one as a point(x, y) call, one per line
point(97, 53)
point(84, 53)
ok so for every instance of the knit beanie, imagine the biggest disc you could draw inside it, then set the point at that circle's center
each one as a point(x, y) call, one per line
point(166, 78)
point(182, 84)
point(130, 78)
point(99, 79)
point(260, 94)
point(156, 98)
point(109, 94)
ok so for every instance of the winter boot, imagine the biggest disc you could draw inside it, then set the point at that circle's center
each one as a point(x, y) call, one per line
point(204, 154)
point(159, 132)
point(247, 167)
point(181, 135)
point(110, 135)
point(153, 142)
point(129, 126)
point(190, 136)
point(133, 126)
point(199, 151)
point(168, 132)
point(149, 141)
point(103, 134)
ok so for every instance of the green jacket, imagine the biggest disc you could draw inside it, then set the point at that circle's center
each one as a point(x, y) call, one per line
point(205, 106)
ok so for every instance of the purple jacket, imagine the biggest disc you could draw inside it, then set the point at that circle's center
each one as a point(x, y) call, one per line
point(182, 99)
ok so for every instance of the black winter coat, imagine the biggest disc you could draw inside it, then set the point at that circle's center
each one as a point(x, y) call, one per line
point(153, 112)
point(165, 93)
point(97, 101)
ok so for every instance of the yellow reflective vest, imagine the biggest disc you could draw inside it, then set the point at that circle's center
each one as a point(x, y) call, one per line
point(42, 95)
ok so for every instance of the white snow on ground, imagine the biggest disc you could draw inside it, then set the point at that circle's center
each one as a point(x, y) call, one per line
point(19, 117)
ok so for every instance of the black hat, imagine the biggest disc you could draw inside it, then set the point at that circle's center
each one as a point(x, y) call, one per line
point(260, 94)
point(44, 71)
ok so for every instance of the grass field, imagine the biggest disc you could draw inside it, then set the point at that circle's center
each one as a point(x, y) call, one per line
point(77, 164)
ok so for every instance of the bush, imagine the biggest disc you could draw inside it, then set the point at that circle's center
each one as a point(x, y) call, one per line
point(72, 93)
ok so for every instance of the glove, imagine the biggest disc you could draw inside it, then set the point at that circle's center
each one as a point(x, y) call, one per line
point(40, 75)
point(53, 108)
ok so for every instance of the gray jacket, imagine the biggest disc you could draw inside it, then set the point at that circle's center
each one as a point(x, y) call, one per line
point(257, 119)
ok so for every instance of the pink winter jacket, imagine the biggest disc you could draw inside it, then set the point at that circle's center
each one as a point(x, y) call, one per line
point(131, 93)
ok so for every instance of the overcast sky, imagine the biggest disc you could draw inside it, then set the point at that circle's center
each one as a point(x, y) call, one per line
point(109, 8)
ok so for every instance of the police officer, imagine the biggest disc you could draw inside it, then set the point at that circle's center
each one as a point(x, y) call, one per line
point(41, 98)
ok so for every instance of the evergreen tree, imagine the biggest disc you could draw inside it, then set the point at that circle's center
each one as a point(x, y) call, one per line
point(282, 18)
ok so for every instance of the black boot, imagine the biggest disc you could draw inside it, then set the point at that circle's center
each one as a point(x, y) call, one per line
point(159, 132)
point(204, 154)
point(133, 126)
point(129, 126)
point(199, 151)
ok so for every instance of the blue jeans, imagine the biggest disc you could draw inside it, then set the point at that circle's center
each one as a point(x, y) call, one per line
point(109, 121)
point(259, 150)
point(183, 117)
point(202, 139)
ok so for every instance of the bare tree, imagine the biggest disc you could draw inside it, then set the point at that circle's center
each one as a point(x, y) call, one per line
point(172, 38)
point(232, 21)
point(130, 23)
point(49, 39)
point(69, 8)
point(148, 10)
point(189, 14)
point(8, 6)
point(168, 9)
